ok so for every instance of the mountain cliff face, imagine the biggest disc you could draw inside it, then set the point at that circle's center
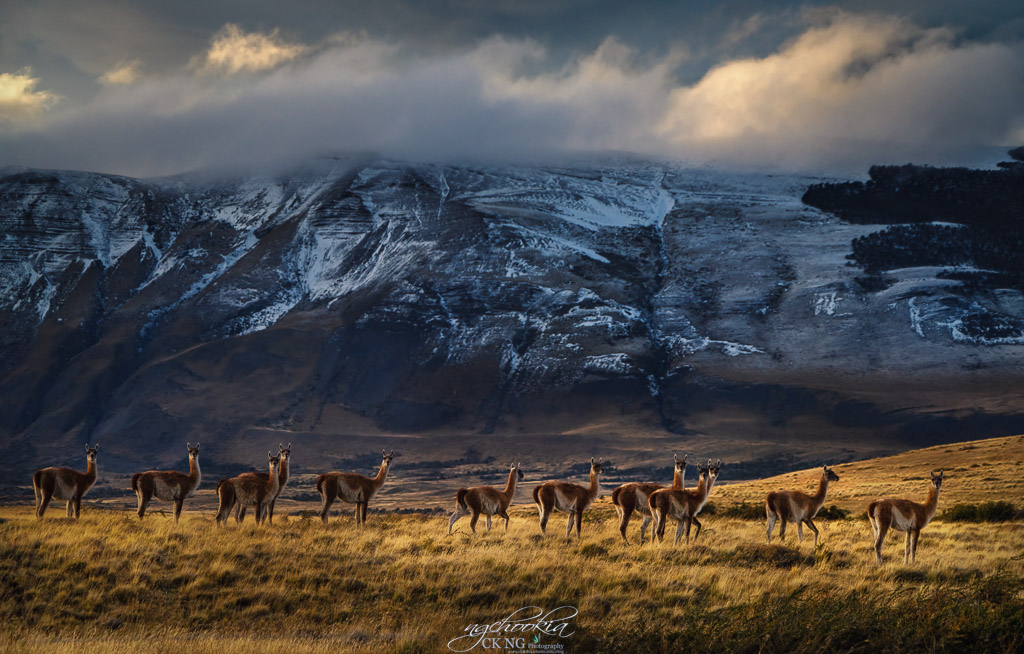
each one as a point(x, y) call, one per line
point(355, 299)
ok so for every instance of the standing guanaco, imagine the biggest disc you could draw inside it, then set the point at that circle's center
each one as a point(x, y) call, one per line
point(569, 498)
point(65, 484)
point(168, 485)
point(486, 500)
point(904, 515)
point(794, 506)
point(352, 488)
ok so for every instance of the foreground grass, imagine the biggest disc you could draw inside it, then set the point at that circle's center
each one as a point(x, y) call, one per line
point(111, 584)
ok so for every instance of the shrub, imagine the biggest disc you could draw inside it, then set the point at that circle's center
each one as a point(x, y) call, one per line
point(1000, 511)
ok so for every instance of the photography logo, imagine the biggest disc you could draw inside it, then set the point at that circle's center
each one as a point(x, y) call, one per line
point(529, 630)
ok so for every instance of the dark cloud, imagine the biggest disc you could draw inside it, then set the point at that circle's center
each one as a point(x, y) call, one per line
point(753, 81)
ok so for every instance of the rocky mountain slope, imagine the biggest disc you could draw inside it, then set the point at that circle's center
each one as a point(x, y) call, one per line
point(349, 303)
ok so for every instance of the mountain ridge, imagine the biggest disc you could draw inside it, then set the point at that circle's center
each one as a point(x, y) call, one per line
point(357, 298)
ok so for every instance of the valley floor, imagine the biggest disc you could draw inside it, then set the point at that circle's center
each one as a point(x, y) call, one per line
point(111, 584)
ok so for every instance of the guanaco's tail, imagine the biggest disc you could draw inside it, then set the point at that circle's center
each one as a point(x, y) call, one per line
point(135, 481)
point(460, 500)
point(615, 496)
point(320, 484)
point(536, 495)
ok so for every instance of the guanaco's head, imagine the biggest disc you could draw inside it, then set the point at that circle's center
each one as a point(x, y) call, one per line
point(937, 479)
point(193, 452)
point(275, 461)
point(596, 467)
point(680, 463)
point(829, 473)
point(519, 473)
point(713, 469)
point(90, 452)
point(386, 457)
point(284, 451)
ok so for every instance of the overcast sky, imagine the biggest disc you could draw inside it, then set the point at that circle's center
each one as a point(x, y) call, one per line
point(151, 88)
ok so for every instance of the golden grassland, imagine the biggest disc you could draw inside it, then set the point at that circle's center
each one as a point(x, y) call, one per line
point(109, 583)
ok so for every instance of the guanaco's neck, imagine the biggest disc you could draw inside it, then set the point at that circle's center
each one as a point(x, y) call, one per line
point(382, 474)
point(678, 479)
point(819, 497)
point(932, 502)
point(273, 483)
point(594, 488)
point(90, 471)
point(194, 474)
point(510, 486)
point(283, 473)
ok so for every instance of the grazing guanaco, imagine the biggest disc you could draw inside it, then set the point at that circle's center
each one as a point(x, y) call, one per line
point(65, 484)
point(794, 506)
point(352, 488)
point(486, 500)
point(633, 497)
point(248, 488)
point(286, 454)
point(168, 485)
point(569, 498)
point(904, 515)
point(683, 505)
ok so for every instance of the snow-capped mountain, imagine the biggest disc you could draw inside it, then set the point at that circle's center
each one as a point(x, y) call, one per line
point(359, 296)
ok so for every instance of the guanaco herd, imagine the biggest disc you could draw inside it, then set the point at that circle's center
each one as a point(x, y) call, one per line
point(656, 503)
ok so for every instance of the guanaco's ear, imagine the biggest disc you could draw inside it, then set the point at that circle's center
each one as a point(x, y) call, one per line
point(269, 455)
point(197, 445)
point(591, 460)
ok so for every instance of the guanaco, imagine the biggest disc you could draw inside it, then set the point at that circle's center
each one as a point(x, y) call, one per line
point(794, 506)
point(352, 488)
point(485, 500)
point(569, 498)
point(904, 515)
point(65, 484)
point(168, 485)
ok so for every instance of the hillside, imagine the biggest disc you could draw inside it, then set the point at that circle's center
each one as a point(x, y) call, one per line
point(980, 471)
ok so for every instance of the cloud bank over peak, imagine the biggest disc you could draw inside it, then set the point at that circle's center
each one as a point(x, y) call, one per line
point(848, 88)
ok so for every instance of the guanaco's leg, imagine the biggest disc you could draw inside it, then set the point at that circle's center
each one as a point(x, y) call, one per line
point(810, 525)
point(78, 506)
point(326, 499)
point(177, 508)
point(883, 528)
point(624, 515)
point(696, 522)
point(488, 523)
point(643, 528)
point(913, 544)
point(473, 520)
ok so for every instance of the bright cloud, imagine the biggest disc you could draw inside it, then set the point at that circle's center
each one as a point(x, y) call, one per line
point(848, 88)
point(124, 74)
point(871, 79)
point(233, 51)
point(19, 98)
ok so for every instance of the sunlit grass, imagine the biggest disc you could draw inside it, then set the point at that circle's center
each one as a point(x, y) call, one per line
point(109, 583)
